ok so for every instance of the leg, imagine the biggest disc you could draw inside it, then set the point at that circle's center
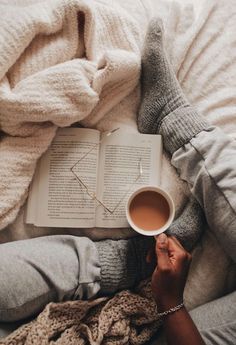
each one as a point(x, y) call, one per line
point(220, 329)
point(35, 272)
point(203, 155)
point(161, 92)
point(57, 268)
point(189, 226)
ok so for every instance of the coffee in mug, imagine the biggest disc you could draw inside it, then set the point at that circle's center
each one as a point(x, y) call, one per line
point(150, 210)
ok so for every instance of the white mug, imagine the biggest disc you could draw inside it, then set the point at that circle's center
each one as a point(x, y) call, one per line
point(171, 210)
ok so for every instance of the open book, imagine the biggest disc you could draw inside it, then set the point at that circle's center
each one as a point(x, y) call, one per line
point(108, 166)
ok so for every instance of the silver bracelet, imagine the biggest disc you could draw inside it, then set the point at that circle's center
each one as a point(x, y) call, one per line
point(171, 310)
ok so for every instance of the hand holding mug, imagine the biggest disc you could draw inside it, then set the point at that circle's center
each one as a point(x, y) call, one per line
point(169, 277)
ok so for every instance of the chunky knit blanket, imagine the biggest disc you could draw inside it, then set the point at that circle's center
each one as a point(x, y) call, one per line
point(127, 318)
point(61, 62)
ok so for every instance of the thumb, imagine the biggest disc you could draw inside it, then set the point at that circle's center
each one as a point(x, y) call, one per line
point(162, 245)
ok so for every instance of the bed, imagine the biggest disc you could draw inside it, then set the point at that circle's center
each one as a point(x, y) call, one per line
point(201, 44)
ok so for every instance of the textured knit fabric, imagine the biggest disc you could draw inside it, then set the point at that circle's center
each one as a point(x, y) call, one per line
point(127, 318)
point(189, 227)
point(61, 62)
point(169, 128)
point(162, 96)
point(123, 263)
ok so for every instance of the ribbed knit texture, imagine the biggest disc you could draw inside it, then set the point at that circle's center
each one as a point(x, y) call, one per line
point(164, 108)
point(179, 127)
point(123, 263)
point(61, 62)
point(189, 227)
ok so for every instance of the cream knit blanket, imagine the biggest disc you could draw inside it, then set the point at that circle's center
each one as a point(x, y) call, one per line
point(61, 61)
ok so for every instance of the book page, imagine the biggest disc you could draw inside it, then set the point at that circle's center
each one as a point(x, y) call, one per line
point(119, 168)
point(62, 200)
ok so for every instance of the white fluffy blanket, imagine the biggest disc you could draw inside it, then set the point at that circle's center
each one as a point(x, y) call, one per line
point(99, 65)
point(61, 62)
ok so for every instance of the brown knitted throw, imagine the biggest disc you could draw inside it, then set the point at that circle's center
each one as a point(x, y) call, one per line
point(126, 318)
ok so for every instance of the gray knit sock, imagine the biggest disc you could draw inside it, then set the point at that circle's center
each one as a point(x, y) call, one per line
point(123, 262)
point(189, 226)
point(164, 108)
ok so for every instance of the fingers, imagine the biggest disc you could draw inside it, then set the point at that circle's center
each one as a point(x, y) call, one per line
point(177, 253)
point(178, 245)
point(162, 246)
point(176, 241)
point(169, 252)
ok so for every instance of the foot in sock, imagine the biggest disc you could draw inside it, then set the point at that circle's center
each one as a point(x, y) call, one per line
point(189, 226)
point(161, 91)
point(164, 108)
point(123, 263)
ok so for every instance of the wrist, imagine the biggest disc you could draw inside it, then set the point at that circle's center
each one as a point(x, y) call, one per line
point(166, 304)
point(171, 310)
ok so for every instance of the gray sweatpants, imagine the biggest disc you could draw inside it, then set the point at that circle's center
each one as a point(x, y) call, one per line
point(37, 271)
point(208, 164)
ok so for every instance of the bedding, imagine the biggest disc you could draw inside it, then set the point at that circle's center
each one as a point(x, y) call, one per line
point(200, 41)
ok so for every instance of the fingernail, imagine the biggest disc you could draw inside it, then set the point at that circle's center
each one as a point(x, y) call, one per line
point(162, 238)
